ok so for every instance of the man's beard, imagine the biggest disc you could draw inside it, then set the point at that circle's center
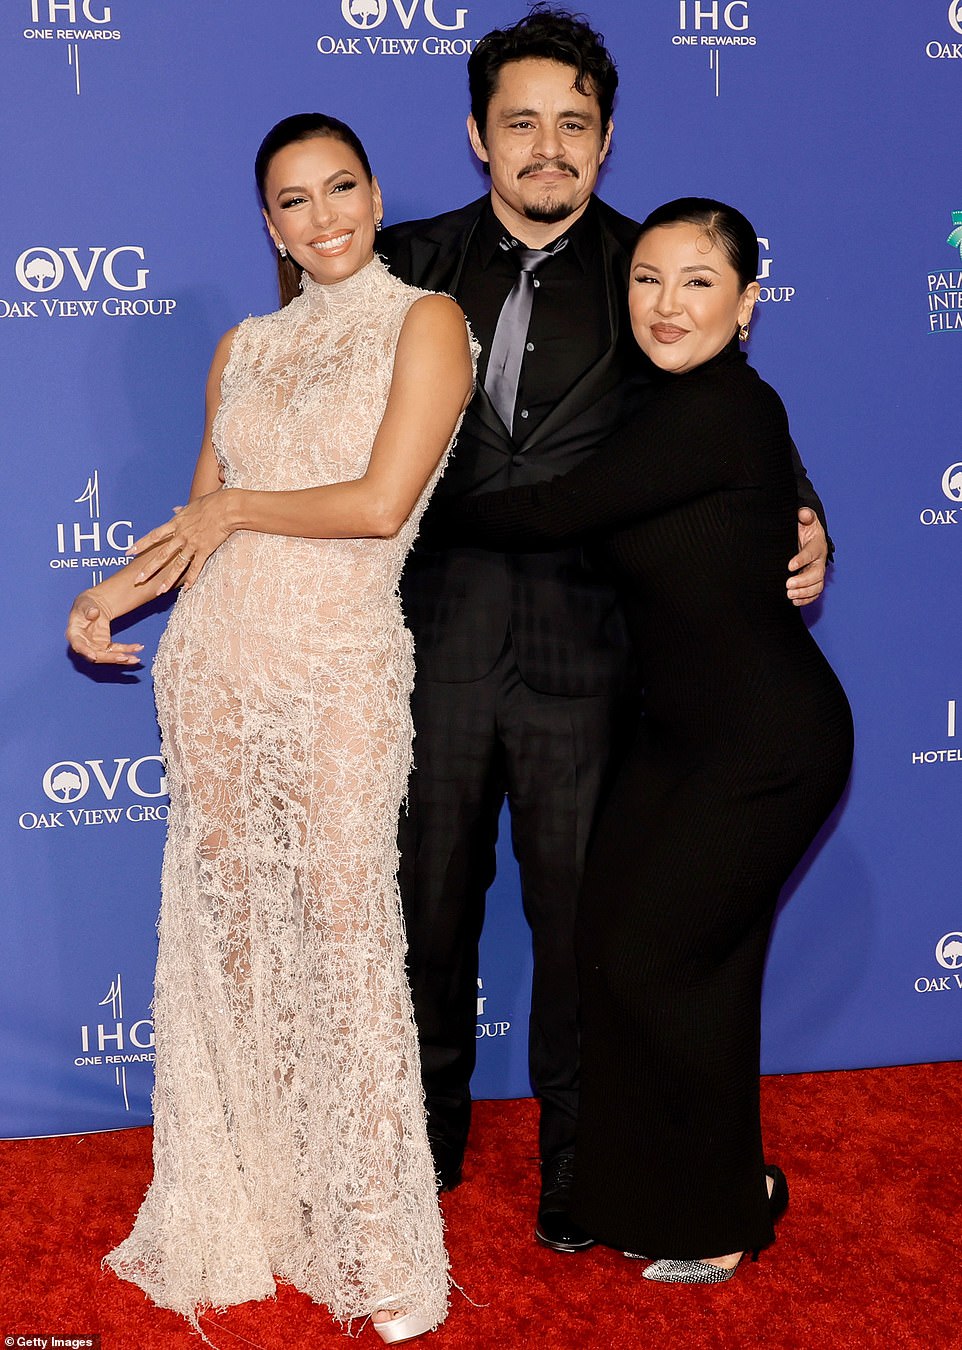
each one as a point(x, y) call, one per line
point(551, 208)
point(549, 212)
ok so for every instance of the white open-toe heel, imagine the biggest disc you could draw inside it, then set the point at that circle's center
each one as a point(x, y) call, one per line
point(402, 1328)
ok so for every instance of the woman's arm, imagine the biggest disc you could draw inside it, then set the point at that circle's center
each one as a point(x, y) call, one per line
point(692, 440)
point(684, 444)
point(430, 387)
point(93, 611)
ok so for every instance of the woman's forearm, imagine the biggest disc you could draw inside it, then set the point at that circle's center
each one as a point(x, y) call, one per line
point(353, 510)
point(119, 593)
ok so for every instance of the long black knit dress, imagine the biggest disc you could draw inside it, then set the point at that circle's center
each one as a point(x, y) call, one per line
point(745, 747)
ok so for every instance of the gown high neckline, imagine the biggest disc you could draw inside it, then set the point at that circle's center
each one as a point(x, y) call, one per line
point(337, 297)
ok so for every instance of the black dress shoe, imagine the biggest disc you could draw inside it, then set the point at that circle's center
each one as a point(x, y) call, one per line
point(448, 1161)
point(555, 1227)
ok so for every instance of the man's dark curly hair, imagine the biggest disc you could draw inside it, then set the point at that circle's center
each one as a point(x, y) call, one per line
point(544, 34)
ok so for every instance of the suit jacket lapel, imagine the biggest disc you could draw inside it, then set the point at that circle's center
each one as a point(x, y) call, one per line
point(439, 260)
point(438, 257)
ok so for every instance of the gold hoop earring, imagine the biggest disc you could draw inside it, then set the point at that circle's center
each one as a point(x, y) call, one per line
point(743, 332)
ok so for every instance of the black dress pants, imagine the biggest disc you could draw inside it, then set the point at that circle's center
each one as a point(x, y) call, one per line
point(476, 743)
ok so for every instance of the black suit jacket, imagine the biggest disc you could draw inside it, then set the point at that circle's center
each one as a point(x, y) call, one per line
point(562, 613)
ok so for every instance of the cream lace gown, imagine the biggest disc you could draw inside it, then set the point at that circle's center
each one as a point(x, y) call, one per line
point(289, 1135)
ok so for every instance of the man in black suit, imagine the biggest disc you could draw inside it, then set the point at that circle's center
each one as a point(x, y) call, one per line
point(521, 659)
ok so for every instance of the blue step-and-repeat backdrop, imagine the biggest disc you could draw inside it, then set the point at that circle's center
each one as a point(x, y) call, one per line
point(131, 238)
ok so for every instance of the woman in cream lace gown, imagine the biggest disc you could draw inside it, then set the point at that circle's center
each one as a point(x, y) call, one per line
point(289, 1135)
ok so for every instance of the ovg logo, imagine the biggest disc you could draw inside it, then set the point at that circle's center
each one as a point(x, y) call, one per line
point(68, 780)
point(937, 50)
point(948, 951)
point(364, 13)
point(488, 1029)
point(768, 293)
point(367, 14)
point(43, 269)
point(952, 482)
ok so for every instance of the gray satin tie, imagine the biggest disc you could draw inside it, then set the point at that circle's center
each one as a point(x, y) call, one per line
point(507, 348)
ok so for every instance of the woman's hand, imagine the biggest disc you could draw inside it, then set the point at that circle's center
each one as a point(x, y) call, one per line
point(808, 566)
point(88, 633)
point(175, 552)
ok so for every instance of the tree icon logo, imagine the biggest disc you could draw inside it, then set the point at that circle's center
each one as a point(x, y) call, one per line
point(955, 14)
point(39, 269)
point(952, 483)
point(955, 238)
point(66, 786)
point(66, 782)
point(367, 13)
point(948, 951)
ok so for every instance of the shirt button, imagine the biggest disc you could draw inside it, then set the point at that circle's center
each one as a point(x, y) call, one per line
point(524, 412)
point(537, 282)
point(529, 346)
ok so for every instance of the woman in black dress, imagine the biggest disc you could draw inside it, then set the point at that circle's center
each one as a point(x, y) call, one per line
point(744, 750)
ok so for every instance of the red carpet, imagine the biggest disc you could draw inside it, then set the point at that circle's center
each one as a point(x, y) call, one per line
point(869, 1254)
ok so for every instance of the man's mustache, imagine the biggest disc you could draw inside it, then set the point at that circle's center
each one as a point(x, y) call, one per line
point(561, 165)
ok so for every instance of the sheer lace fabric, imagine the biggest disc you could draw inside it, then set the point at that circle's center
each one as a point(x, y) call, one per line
point(289, 1126)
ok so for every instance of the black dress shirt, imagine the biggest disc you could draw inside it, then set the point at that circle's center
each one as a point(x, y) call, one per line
point(569, 329)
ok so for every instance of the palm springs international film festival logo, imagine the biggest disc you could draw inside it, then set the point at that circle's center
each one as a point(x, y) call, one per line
point(72, 282)
point(948, 953)
point(938, 50)
point(438, 29)
point(945, 285)
point(73, 27)
point(713, 26)
point(115, 1043)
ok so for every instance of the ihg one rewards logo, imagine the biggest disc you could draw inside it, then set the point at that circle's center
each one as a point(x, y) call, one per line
point(81, 282)
point(114, 1041)
point(399, 28)
point(88, 539)
point(71, 26)
point(714, 26)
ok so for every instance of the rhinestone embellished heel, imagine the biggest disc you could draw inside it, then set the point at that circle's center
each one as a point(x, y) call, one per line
point(691, 1272)
point(701, 1272)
